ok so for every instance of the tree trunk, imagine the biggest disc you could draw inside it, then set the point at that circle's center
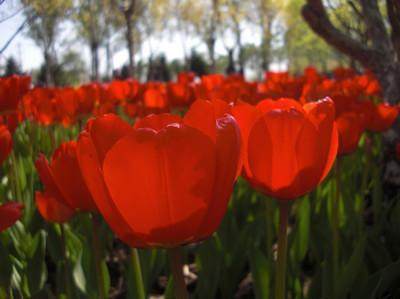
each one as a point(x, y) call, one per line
point(266, 44)
point(94, 49)
point(48, 67)
point(109, 68)
point(240, 48)
point(128, 14)
point(380, 55)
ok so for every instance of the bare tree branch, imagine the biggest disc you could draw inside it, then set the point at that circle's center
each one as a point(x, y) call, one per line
point(20, 28)
point(11, 15)
point(315, 15)
point(375, 26)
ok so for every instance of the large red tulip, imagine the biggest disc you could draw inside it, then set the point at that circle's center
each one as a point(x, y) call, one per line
point(288, 149)
point(165, 182)
point(10, 212)
point(65, 189)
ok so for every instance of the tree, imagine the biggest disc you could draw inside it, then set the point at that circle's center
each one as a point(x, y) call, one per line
point(302, 47)
point(45, 18)
point(93, 28)
point(12, 67)
point(381, 51)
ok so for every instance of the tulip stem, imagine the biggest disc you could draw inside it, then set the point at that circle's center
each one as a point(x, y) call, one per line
point(335, 221)
point(280, 282)
point(97, 257)
point(269, 229)
point(66, 264)
point(14, 162)
point(175, 257)
point(137, 273)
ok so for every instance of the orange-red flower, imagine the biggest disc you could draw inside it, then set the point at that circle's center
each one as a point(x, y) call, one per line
point(382, 117)
point(288, 149)
point(350, 126)
point(12, 90)
point(63, 183)
point(165, 182)
point(10, 212)
point(5, 143)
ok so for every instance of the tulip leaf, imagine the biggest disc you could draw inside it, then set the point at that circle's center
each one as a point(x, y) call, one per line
point(380, 282)
point(261, 273)
point(302, 234)
point(208, 261)
point(351, 270)
point(78, 275)
point(36, 267)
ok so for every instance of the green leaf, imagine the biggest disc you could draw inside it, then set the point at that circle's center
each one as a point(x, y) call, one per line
point(36, 269)
point(302, 234)
point(208, 261)
point(351, 270)
point(261, 272)
point(78, 275)
point(379, 283)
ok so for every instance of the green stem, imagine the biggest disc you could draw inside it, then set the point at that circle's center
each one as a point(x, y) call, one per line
point(66, 264)
point(335, 221)
point(137, 273)
point(280, 282)
point(269, 229)
point(175, 257)
point(97, 256)
point(14, 161)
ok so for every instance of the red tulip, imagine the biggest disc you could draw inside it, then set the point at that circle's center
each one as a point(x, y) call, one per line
point(63, 183)
point(382, 117)
point(165, 182)
point(5, 143)
point(288, 149)
point(12, 90)
point(52, 209)
point(10, 212)
point(350, 126)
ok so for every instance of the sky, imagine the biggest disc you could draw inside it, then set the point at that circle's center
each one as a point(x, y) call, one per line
point(29, 56)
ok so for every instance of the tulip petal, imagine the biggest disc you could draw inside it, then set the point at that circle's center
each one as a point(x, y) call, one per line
point(105, 131)
point(51, 209)
point(158, 180)
point(157, 121)
point(10, 212)
point(272, 149)
point(92, 174)
point(67, 175)
point(202, 115)
point(228, 161)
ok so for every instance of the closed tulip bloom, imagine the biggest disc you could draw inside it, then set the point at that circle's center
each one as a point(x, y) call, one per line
point(288, 149)
point(383, 116)
point(10, 212)
point(63, 181)
point(167, 181)
point(5, 143)
point(350, 127)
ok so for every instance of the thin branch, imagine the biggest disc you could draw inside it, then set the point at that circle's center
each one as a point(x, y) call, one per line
point(13, 36)
point(11, 15)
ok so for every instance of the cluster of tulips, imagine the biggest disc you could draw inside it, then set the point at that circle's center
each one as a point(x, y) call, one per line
point(165, 181)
